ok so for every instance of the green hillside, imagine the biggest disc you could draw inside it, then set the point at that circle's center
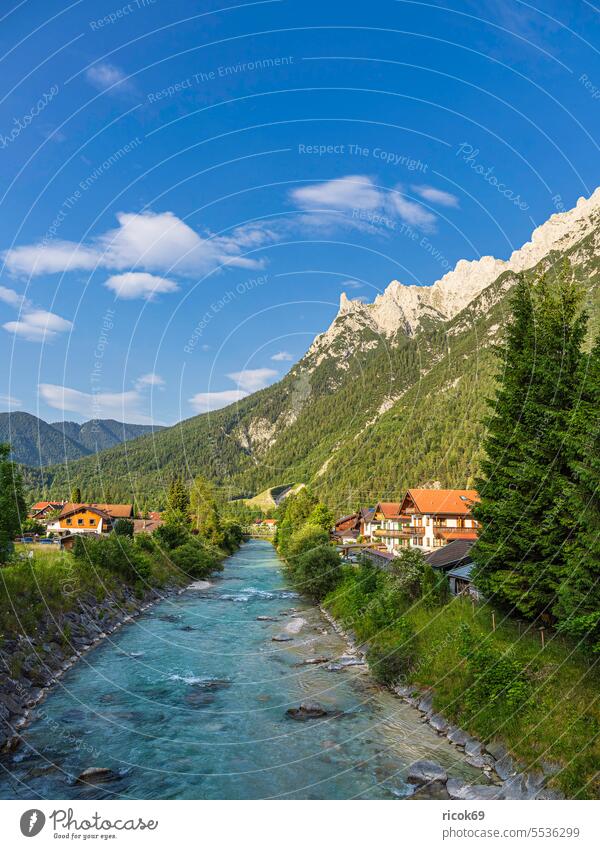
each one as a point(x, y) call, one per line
point(365, 421)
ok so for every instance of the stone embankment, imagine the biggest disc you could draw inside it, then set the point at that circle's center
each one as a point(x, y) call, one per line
point(506, 777)
point(31, 665)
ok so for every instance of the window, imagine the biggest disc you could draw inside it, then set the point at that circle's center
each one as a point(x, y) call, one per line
point(92, 521)
point(69, 522)
point(80, 521)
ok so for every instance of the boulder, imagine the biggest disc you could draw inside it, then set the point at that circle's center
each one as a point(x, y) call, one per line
point(94, 774)
point(266, 619)
point(505, 767)
point(473, 748)
point(281, 638)
point(438, 723)
point(307, 710)
point(458, 789)
point(457, 736)
point(496, 750)
point(426, 703)
point(515, 787)
point(425, 772)
point(311, 661)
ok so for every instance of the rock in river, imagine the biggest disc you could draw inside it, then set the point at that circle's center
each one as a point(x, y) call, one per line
point(94, 774)
point(281, 638)
point(458, 789)
point(307, 710)
point(424, 772)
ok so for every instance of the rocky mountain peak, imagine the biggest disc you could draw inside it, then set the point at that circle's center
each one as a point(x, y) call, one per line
point(402, 307)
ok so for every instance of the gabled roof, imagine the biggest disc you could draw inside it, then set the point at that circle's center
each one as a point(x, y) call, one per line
point(367, 513)
point(453, 554)
point(441, 501)
point(41, 505)
point(390, 509)
point(78, 508)
point(113, 511)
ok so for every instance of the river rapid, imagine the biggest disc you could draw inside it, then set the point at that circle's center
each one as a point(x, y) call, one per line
point(189, 702)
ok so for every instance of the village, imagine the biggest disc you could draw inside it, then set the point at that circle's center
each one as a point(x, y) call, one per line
point(438, 522)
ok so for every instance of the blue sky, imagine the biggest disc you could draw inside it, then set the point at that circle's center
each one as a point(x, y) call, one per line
point(186, 189)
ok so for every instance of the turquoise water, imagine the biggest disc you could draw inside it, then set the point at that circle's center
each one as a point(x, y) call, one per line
point(189, 702)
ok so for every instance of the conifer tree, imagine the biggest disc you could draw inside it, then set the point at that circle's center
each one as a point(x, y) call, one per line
point(205, 511)
point(521, 547)
point(578, 606)
point(178, 499)
point(12, 502)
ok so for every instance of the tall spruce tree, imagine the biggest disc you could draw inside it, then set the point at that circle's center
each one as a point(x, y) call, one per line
point(521, 548)
point(12, 502)
point(178, 498)
point(578, 606)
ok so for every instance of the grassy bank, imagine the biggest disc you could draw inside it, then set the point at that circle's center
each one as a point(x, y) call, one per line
point(499, 685)
point(42, 588)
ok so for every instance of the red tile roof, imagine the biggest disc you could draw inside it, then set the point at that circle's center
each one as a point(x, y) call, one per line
point(115, 511)
point(439, 501)
point(390, 509)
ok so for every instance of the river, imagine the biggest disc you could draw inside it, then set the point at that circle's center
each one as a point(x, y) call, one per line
point(189, 702)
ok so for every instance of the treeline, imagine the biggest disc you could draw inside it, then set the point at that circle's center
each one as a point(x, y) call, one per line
point(302, 539)
point(538, 553)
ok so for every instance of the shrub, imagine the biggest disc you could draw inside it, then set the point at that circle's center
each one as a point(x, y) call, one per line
point(391, 653)
point(318, 571)
point(305, 539)
point(117, 554)
point(498, 683)
point(408, 569)
point(434, 586)
point(123, 528)
point(196, 558)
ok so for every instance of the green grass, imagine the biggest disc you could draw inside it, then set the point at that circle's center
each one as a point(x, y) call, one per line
point(556, 717)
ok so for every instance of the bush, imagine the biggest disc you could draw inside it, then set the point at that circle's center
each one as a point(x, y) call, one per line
point(497, 680)
point(318, 571)
point(434, 586)
point(307, 538)
point(174, 532)
point(123, 528)
point(391, 653)
point(408, 569)
point(114, 553)
point(196, 558)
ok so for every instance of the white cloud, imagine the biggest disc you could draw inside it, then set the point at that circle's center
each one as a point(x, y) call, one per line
point(248, 380)
point(352, 192)
point(139, 284)
point(436, 195)
point(124, 406)
point(334, 199)
point(10, 401)
point(282, 357)
point(50, 258)
point(206, 402)
point(351, 284)
point(36, 325)
point(253, 379)
point(12, 298)
point(412, 213)
point(150, 379)
point(103, 76)
point(152, 241)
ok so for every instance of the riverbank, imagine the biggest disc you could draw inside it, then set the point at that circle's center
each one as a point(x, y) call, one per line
point(56, 607)
point(199, 698)
point(529, 715)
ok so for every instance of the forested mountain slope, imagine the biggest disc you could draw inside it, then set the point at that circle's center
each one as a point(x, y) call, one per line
point(34, 442)
point(394, 393)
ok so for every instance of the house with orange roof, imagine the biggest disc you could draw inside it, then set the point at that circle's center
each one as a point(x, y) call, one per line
point(89, 518)
point(386, 525)
point(426, 519)
point(434, 517)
